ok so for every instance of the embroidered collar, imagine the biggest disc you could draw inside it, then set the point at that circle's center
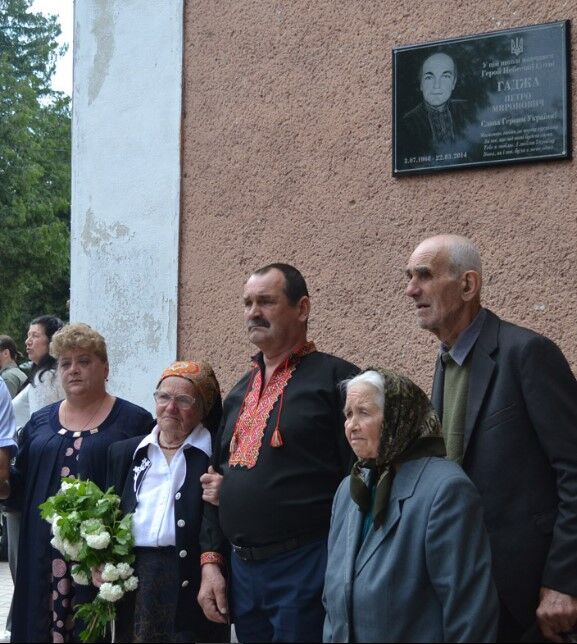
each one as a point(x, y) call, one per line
point(257, 406)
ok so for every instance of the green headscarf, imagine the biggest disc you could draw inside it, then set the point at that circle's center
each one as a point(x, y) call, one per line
point(411, 429)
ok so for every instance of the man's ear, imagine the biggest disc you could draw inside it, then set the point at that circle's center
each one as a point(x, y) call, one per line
point(470, 285)
point(304, 305)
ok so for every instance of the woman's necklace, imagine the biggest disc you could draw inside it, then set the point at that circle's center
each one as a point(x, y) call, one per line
point(170, 449)
point(65, 405)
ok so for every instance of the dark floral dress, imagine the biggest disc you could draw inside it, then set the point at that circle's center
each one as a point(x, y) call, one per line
point(62, 584)
point(43, 590)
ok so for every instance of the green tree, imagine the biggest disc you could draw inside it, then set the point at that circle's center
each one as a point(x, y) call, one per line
point(34, 171)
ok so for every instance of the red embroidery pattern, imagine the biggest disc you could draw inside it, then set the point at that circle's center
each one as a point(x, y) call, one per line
point(212, 557)
point(253, 418)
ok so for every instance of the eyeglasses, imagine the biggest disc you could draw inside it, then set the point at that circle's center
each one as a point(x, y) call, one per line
point(182, 401)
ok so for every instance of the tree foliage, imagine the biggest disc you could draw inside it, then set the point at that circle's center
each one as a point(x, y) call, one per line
point(34, 171)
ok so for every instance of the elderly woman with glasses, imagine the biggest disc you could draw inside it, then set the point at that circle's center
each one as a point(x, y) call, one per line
point(408, 556)
point(158, 479)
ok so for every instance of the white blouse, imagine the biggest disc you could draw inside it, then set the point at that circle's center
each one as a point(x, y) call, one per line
point(29, 400)
point(32, 398)
point(153, 520)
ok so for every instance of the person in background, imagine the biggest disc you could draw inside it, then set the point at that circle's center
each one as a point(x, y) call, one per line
point(508, 404)
point(44, 386)
point(166, 500)
point(409, 558)
point(66, 438)
point(11, 373)
point(7, 447)
point(42, 389)
point(280, 454)
point(7, 443)
point(14, 379)
point(7, 426)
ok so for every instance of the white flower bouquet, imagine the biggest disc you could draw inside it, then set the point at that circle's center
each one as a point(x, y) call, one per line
point(90, 531)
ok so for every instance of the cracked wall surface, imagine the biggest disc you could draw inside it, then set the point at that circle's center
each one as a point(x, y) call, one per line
point(126, 184)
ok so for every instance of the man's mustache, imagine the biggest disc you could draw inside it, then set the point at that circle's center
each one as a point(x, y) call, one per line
point(253, 324)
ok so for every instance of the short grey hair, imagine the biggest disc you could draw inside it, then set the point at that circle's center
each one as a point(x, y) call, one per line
point(463, 256)
point(372, 378)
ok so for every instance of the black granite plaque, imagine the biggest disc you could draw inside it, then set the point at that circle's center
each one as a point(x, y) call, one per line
point(494, 98)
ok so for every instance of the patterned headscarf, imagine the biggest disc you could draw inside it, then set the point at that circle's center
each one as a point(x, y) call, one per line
point(202, 377)
point(411, 429)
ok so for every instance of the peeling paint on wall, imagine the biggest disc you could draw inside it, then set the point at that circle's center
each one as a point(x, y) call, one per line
point(151, 331)
point(96, 234)
point(126, 184)
point(103, 31)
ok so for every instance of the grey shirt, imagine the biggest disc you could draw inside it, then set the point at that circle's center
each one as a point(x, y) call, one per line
point(466, 341)
point(14, 378)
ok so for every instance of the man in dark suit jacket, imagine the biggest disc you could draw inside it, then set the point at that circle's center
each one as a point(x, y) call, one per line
point(508, 401)
point(439, 121)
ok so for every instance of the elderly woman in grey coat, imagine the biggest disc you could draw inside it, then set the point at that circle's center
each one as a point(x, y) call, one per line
point(408, 558)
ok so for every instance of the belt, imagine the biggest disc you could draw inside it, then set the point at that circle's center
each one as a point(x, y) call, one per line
point(259, 553)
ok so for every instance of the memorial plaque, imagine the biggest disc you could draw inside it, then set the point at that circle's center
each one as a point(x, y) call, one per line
point(488, 99)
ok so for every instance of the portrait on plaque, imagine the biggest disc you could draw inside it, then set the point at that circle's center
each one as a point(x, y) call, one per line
point(493, 98)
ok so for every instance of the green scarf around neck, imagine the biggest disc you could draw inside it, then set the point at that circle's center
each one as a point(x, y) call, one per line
point(411, 430)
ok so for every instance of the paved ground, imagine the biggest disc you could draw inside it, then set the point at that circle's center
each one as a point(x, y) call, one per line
point(5, 594)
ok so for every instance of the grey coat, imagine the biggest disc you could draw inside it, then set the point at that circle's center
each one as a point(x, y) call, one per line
point(424, 575)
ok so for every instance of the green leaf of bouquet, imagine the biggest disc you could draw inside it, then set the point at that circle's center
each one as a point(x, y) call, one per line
point(121, 550)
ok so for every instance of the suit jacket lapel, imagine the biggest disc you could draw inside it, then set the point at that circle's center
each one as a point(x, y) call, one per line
point(403, 487)
point(375, 537)
point(482, 367)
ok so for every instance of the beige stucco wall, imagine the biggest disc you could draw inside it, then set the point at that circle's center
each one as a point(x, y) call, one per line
point(287, 157)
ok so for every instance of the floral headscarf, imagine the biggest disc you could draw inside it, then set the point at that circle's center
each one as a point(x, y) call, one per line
point(411, 429)
point(202, 377)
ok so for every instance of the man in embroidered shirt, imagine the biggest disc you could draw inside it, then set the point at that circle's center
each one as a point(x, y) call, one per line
point(508, 403)
point(282, 452)
point(438, 120)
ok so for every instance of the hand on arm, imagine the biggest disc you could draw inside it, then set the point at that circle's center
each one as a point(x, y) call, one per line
point(556, 614)
point(211, 482)
point(97, 580)
point(212, 594)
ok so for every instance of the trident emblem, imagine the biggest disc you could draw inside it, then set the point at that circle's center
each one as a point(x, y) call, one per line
point(517, 46)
